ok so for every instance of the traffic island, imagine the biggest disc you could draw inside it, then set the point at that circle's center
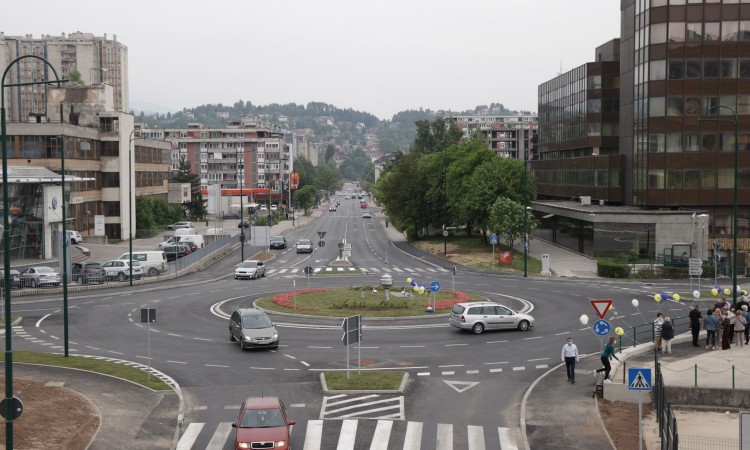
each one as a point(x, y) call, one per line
point(367, 381)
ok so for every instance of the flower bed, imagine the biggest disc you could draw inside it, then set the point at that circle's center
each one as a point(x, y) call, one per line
point(459, 297)
point(287, 301)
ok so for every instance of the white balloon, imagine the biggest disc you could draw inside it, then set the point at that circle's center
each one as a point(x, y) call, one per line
point(697, 294)
point(635, 302)
point(584, 319)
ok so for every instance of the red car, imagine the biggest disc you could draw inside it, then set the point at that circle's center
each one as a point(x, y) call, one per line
point(263, 423)
point(363, 205)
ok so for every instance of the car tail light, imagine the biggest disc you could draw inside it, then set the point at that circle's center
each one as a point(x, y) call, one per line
point(463, 319)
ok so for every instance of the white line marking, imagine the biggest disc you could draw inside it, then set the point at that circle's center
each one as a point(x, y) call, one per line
point(452, 365)
point(495, 342)
point(499, 362)
point(454, 345)
point(188, 438)
point(347, 434)
point(535, 337)
point(312, 346)
point(261, 368)
point(220, 436)
point(444, 437)
point(176, 362)
point(471, 372)
point(411, 346)
point(515, 369)
point(476, 437)
point(305, 364)
point(542, 366)
point(413, 437)
point(538, 359)
point(290, 356)
point(382, 435)
point(297, 405)
point(216, 365)
point(423, 374)
point(314, 435)
point(496, 370)
point(506, 441)
point(449, 372)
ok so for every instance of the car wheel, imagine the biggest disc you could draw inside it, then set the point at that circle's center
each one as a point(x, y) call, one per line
point(121, 276)
point(524, 325)
point(242, 345)
point(477, 328)
point(73, 241)
point(231, 337)
point(152, 272)
point(263, 274)
point(33, 284)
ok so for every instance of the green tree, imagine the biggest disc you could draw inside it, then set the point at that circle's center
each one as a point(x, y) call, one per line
point(506, 219)
point(304, 197)
point(330, 152)
point(74, 76)
point(436, 136)
point(194, 208)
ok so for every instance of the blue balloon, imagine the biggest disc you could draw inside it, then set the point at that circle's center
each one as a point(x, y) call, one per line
point(413, 283)
point(664, 295)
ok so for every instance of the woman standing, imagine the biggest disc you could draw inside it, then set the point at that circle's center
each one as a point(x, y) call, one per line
point(711, 324)
point(726, 332)
point(667, 335)
point(607, 355)
point(739, 327)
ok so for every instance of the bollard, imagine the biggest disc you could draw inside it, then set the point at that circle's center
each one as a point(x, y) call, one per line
point(695, 375)
point(732, 376)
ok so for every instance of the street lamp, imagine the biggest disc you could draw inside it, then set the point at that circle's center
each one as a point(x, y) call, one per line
point(9, 401)
point(525, 213)
point(240, 174)
point(732, 118)
point(130, 200)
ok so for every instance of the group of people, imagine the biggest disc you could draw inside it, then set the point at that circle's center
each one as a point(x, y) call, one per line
point(723, 322)
point(570, 357)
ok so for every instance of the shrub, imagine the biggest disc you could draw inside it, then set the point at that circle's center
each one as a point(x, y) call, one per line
point(287, 301)
point(612, 269)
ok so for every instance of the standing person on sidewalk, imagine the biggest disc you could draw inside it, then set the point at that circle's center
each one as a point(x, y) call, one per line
point(570, 357)
point(696, 319)
point(726, 331)
point(607, 355)
point(747, 321)
point(667, 334)
point(657, 331)
point(711, 325)
point(739, 327)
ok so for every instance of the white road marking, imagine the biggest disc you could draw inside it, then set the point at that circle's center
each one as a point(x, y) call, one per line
point(347, 435)
point(515, 369)
point(472, 372)
point(535, 337)
point(452, 365)
point(411, 346)
point(314, 435)
point(542, 366)
point(449, 372)
point(444, 436)
point(220, 436)
point(382, 435)
point(495, 342)
point(476, 437)
point(496, 370)
point(216, 365)
point(454, 345)
point(177, 362)
point(538, 359)
point(413, 437)
point(506, 442)
point(423, 374)
point(262, 368)
point(188, 438)
point(499, 362)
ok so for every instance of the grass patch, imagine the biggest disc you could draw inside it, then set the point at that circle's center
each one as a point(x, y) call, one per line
point(474, 252)
point(93, 365)
point(344, 302)
point(366, 380)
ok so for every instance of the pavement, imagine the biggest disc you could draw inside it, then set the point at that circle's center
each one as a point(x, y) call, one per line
point(554, 413)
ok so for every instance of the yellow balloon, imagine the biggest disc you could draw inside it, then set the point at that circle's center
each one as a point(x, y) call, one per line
point(727, 291)
point(416, 288)
point(676, 297)
point(744, 292)
point(657, 297)
point(714, 292)
point(408, 280)
point(619, 331)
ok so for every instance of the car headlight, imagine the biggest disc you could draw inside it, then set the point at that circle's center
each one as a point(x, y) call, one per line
point(243, 444)
point(275, 336)
point(247, 338)
point(279, 443)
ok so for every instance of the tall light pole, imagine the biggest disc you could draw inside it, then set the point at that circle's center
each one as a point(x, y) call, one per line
point(130, 200)
point(9, 413)
point(240, 174)
point(733, 119)
point(525, 213)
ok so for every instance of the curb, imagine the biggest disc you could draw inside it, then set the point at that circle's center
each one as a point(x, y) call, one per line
point(400, 389)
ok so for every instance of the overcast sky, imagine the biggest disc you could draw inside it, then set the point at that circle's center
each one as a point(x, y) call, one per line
point(380, 56)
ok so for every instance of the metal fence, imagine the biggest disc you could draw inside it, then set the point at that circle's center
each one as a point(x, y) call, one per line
point(664, 414)
point(186, 262)
point(643, 334)
point(688, 442)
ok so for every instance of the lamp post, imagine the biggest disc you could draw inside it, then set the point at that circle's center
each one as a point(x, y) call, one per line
point(240, 174)
point(525, 213)
point(130, 201)
point(9, 413)
point(735, 121)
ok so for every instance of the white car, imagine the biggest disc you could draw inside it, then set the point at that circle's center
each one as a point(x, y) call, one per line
point(263, 208)
point(118, 269)
point(250, 268)
point(366, 215)
point(274, 208)
point(74, 236)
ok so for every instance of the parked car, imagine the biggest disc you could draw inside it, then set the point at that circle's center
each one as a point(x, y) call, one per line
point(263, 208)
point(232, 215)
point(263, 423)
point(40, 276)
point(274, 207)
point(252, 328)
point(250, 268)
point(304, 246)
point(152, 262)
point(366, 215)
point(15, 279)
point(119, 269)
point(480, 316)
point(278, 242)
point(88, 272)
point(174, 252)
point(74, 236)
point(243, 224)
point(178, 225)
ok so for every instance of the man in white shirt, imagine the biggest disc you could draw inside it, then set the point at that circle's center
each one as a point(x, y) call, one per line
point(658, 322)
point(570, 357)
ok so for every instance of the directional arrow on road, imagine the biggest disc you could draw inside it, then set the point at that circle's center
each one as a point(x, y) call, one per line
point(461, 386)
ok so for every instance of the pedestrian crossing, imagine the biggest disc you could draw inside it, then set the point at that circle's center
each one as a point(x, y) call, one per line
point(382, 434)
point(366, 406)
point(330, 269)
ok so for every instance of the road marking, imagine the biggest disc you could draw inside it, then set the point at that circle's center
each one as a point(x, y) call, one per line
point(313, 346)
point(188, 438)
point(453, 345)
point(542, 366)
point(175, 335)
point(496, 370)
point(347, 435)
point(200, 408)
point(472, 372)
point(291, 369)
point(92, 348)
point(515, 369)
point(261, 368)
point(423, 374)
point(476, 437)
point(305, 364)
point(297, 405)
point(110, 351)
point(220, 436)
point(231, 407)
point(177, 362)
point(449, 372)
point(216, 365)
point(411, 346)
point(499, 362)
point(495, 342)
point(290, 356)
point(461, 386)
point(506, 441)
point(382, 435)
point(413, 437)
point(562, 334)
point(444, 437)
point(314, 435)
point(200, 339)
point(452, 365)
point(535, 337)
point(538, 359)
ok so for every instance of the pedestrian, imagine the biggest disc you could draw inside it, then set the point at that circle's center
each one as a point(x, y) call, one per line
point(667, 335)
point(657, 331)
point(386, 222)
point(726, 331)
point(711, 325)
point(742, 302)
point(570, 357)
point(607, 355)
point(696, 319)
point(731, 324)
point(739, 327)
point(746, 313)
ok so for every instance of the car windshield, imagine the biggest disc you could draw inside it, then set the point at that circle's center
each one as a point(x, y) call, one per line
point(249, 264)
point(44, 270)
point(256, 322)
point(304, 242)
point(277, 239)
point(262, 418)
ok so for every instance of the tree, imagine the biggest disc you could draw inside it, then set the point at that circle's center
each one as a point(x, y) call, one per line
point(194, 208)
point(304, 197)
point(330, 152)
point(506, 219)
point(74, 76)
point(436, 136)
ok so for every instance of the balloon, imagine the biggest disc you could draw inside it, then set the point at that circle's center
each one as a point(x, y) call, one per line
point(413, 283)
point(697, 294)
point(676, 297)
point(727, 291)
point(415, 288)
point(714, 292)
point(421, 289)
point(635, 302)
point(664, 296)
point(619, 331)
point(744, 292)
point(657, 297)
point(584, 319)
point(409, 280)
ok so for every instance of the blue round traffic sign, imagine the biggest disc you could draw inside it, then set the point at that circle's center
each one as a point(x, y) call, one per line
point(434, 286)
point(602, 327)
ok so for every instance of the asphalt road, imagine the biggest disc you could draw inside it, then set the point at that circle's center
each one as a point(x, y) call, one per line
point(462, 385)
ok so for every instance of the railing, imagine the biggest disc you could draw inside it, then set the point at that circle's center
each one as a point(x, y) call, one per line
point(643, 334)
point(186, 262)
point(664, 415)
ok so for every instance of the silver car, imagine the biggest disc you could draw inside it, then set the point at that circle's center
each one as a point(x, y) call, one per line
point(40, 276)
point(304, 246)
point(252, 328)
point(480, 316)
point(250, 268)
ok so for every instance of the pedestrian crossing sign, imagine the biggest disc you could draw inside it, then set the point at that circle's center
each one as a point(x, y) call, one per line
point(639, 379)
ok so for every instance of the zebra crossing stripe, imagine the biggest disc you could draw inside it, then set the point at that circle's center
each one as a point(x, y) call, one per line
point(347, 435)
point(282, 270)
point(382, 435)
point(506, 442)
point(476, 437)
point(413, 438)
point(444, 436)
point(188, 438)
point(396, 269)
point(314, 435)
point(220, 436)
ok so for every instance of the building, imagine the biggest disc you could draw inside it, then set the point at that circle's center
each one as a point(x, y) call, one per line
point(510, 136)
point(98, 59)
point(679, 61)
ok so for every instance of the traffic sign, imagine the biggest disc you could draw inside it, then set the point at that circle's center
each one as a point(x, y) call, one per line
point(148, 315)
point(434, 286)
point(341, 245)
point(445, 233)
point(352, 327)
point(309, 270)
point(453, 270)
point(695, 262)
point(493, 239)
point(695, 271)
point(601, 307)
point(639, 379)
point(602, 327)
point(321, 234)
point(321, 243)
point(16, 408)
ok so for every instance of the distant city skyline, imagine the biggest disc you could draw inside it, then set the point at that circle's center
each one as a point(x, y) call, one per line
point(381, 57)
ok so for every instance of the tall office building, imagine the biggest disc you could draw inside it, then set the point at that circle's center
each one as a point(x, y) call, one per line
point(97, 58)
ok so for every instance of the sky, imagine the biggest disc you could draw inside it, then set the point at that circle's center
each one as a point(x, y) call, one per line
point(381, 56)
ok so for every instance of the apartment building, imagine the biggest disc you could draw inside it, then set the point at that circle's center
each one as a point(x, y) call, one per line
point(510, 136)
point(99, 60)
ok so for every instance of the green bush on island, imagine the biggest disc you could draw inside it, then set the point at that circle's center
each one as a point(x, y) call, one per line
point(370, 305)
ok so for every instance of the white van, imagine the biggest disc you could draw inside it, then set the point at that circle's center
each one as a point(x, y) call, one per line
point(196, 239)
point(153, 262)
point(215, 232)
point(185, 231)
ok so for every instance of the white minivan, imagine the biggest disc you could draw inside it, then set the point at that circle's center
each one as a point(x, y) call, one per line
point(195, 239)
point(185, 231)
point(153, 262)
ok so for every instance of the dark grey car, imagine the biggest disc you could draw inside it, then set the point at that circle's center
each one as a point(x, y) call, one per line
point(253, 329)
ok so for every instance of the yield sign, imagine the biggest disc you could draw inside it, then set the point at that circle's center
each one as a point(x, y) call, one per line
point(601, 307)
point(461, 386)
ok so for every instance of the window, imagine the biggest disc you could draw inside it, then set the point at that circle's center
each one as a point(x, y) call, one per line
point(658, 70)
point(676, 69)
point(711, 31)
point(674, 143)
point(691, 142)
point(694, 32)
point(674, 106)
point(729, 30)
point(656, 107)
point(656, 179)
point(677, 32)
point(111, 208)
point(745, 68)
point(711, 68)
point(744, 34)
point(692, 179)
point(656, 143)
point(674, 178)
point(693, 69)
point(658, 33)
point(110, 179)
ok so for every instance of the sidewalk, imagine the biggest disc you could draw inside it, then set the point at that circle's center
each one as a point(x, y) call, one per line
point(556, 414)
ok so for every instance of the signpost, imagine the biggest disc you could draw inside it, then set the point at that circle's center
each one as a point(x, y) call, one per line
point(434, 287)
point(695, 269)
point(639, 379)
point(601, 307)
point(352, 327)
point(309, 270)
point(493, 241)
point(602, 327)
point(148, 316)
point(16, 408)
point(453, 272)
